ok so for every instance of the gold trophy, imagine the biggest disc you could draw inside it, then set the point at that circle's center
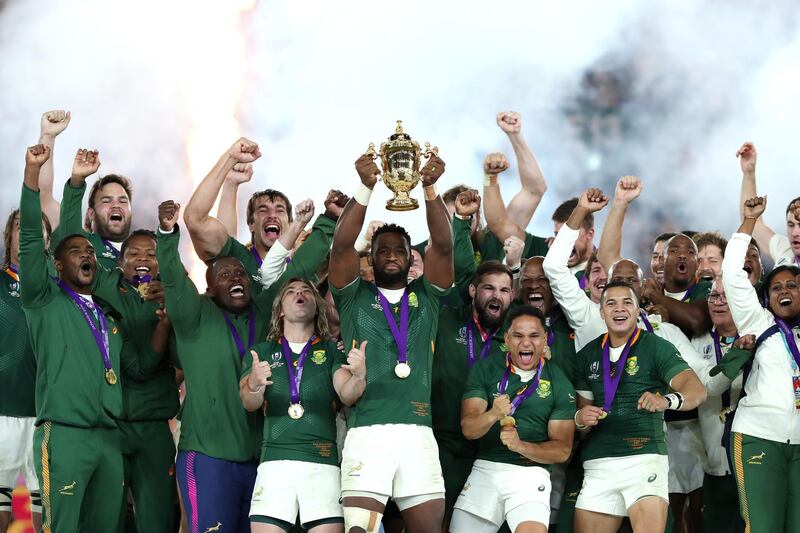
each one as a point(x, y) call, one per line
point(400, 158)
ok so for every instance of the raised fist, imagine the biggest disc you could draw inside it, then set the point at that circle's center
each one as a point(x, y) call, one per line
point(85, 164)
point(335, 202)
point(501, 406)
point(54, 122)
point(509, 121)
point(755, 207)
point(240, 173)
point(746, 342)
point(747, 157)
point(168, 215)
point(303, 212)
point(244, 151)
point(371, 227)
point(512, 248)
point(468, 203)
point(495, 164)
point(367, 170)
point(35, 156)
point(593, 199)
point(628, 189)
point(433, 169)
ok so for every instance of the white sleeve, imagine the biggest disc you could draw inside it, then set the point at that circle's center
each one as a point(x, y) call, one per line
point(780, 249)
point(576, 305)
point(748, 315)
point(273, 265)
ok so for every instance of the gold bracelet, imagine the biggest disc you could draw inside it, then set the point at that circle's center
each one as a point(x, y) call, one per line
point(489, 180)
point(430, 192)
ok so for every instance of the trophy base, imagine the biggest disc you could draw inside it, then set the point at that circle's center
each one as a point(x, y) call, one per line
point(394, 205)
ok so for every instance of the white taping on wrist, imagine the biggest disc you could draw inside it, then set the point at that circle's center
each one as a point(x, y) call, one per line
point(362, 195)
point(675, 400)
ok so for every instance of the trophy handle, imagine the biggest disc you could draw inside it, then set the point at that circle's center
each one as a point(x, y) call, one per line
point(428, 151)
point(371, 151)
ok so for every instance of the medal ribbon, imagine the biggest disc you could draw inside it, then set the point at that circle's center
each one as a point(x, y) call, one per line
point(726, 396)
point(400, 334)
point(110, 248)
point(471, 359)
point(646, 321)
point(235, 334)
point(791, 343)
point(524, 392)
point(13, 272)
point(137, 279)
point(611, 383)
point(688, 293)
point(295, 377)
point(100, 333)
point(255, 255)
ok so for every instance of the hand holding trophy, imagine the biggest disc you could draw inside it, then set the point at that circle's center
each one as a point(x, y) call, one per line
point(400, 159)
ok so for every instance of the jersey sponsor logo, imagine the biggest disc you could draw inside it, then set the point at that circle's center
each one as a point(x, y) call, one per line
point(632, 366)
point(541, 488)
point(214, 528)
point(354, 469)
point(171, 471)
point(257, 494)
point(13, 289)
point(503, 348)
point(544, 389)
point(318, 357)
point(412, 300)
point(652, 478)
point(756, 459)
point(571, 397)
point(679, 356)
point(466, 487)
point(594, 368)
point(67, 490)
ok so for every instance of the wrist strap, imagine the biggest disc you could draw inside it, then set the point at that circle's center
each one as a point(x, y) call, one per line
point(489, 180)
point(362, 195)
point(575, 419)
point(675, 400)
point(430, 192)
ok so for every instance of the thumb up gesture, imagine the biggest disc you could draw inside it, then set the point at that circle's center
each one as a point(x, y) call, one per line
point(356, 361)
point(259, 375)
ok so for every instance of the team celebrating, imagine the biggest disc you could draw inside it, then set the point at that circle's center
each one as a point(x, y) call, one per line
point(342, 379)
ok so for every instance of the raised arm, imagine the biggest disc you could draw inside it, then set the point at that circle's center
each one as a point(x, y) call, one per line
point(344, 257)
point(533, 185)
point(181, 298)
point(748, 155)
point(253, 385)
point(610, 250)
point(493, 207)
point(439, 257)
point(467, 205)
point(53, 123)
point(275, 261)
point(208, 234)
point(34, 281)
point(86, 163)
point(350, 380)
point(227, 210)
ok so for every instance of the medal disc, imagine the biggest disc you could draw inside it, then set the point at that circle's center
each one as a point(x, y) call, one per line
point(111, 376)
point(402, 370)
point(296, 411)
point(508, 421)
point(602, 415)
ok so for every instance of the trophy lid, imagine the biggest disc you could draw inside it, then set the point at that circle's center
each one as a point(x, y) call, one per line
point(399, 133)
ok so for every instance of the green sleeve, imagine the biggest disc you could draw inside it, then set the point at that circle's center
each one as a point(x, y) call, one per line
point(700, 291)
point(138, 360)
point(106, 287)
point(669, 362)
point(247, 360)
point(181, 298)
point(491, 247)
point(172, 355)
point(345, 297)
point(475, 381)
point(36, 288)
point(312, 253)
point(339, 357)
point(563, 395)
point(463, 256)
point(534, 246)
point(581, 364)
point(70, 213)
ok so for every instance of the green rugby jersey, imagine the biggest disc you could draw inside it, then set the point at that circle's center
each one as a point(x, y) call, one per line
point(651, 365)
point(387, 398)
point(554, 399)
point(17, 362)
point(312, 437)
point(492, 248)
point(450, 369)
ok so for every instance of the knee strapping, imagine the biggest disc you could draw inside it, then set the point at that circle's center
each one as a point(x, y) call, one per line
point(369, 521)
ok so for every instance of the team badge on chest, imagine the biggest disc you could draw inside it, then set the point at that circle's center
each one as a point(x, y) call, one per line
point(318, 357)
point(631, 366)
point(544, 389)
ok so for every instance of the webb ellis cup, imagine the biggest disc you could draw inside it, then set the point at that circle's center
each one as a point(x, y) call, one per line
point(400, 158)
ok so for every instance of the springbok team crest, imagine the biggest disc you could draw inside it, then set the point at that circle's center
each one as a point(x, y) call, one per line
point(318, 357)
point(632, 366)
point(504, 348)
point(412, 300)
point(544, 389)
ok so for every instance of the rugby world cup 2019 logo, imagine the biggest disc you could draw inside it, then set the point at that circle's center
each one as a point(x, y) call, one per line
point(632, 366)
point(13, 289)
point(594, 368)
point(544, 389)
point(462, 335)
point(707, 351)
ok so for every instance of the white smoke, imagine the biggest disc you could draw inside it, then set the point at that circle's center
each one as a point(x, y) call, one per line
point(324, 79)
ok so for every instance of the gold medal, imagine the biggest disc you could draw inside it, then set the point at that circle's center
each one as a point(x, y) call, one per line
point(508, 421)
point(142, 289)
point(602, 415)
point(402, 370)
point(111, 376)
point(295, 411)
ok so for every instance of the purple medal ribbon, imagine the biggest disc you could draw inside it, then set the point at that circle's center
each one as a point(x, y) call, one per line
point(110, 248)
point(611, 383)
point(527, 390)
point(471, 343)
point(788, 335)
point(251, 334)
point(100, 333)
point(646, 321)
point(137, 279)
point(551, 337)
point(726, 396)
point(688, 293)
point(255, 255)
point(295, 377)
point(797, 260)
point(400, 334)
